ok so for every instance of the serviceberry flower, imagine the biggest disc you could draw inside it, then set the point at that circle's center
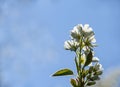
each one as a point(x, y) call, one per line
point(88, 67)
point(71, 45)
point(76, 32)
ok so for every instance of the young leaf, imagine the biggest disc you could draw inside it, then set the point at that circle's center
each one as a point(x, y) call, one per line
point(96, 77)
point(98, 73)
point(91, 83)
point(88, 59)
point(91, 69)
point(85, 72)
point(63, 72)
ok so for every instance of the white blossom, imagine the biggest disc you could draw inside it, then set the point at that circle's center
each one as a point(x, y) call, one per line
point(76, 32)
point(83, 32)
point(87, 31)
point(71, 45)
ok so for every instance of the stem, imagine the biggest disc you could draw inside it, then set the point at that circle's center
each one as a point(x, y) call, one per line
point(80, 68)
point(77, 65)
point(81, 79)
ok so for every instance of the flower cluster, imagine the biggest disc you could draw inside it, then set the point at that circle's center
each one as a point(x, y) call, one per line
point(87, 65)
point(80, 32)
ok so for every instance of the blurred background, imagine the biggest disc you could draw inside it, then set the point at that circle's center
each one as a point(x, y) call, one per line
point(32, 35)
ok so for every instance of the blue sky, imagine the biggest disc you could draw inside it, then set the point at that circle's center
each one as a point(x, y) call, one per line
point(32, 35)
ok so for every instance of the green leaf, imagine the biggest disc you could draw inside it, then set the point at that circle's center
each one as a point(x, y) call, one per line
point(96, 77)
point(98, 73)
point(91, 69)
point(63, 72)
point(89, 76)
point(91, 83)
point(88, 59)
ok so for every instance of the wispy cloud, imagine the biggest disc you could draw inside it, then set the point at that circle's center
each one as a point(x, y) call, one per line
point(110, 79)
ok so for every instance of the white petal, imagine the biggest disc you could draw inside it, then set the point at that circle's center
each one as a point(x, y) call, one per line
point(90, 29)
point(100, 67)
point(76, 32)
point(86, 26)
point(92, 39)
point(95, 59)
point(66, 45)
point(80, 25)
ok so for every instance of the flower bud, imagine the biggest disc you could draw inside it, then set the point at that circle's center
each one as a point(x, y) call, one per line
point(73, 82)
point(95, 59)
point(98, 67)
